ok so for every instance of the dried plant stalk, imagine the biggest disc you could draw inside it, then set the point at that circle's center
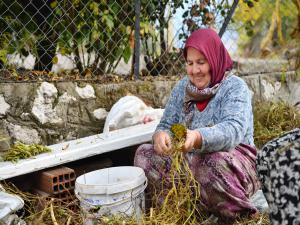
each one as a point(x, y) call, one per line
point(272, 119)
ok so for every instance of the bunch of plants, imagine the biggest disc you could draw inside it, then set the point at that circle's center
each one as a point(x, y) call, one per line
point(272, 119)
point(23, 151)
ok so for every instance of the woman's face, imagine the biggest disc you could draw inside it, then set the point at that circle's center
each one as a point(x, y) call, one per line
point(197, 68)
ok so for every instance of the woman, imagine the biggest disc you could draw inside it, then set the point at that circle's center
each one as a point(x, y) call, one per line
point(278, 166)
point(216, 107)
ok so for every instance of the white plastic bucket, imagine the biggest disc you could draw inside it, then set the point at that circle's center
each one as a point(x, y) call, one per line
point(112, 191)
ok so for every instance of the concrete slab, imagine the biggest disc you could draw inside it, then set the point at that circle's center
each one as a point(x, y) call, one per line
point(81, 148)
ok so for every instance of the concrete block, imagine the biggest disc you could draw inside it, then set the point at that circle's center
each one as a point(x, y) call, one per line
point(55, 180)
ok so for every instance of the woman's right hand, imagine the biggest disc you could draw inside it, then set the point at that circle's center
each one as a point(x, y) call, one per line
point(162, 142)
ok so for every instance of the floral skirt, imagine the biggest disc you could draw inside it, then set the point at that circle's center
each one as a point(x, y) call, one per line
point(278, 165)
point(227, 179)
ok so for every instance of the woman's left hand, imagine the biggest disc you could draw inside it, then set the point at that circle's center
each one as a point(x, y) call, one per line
point(193, 140)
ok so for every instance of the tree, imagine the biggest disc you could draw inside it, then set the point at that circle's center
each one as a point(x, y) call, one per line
point(156, 11)
point(266, 32)
point(26, 27)
point(203, 13)
point(42, 14)
point(96, 32)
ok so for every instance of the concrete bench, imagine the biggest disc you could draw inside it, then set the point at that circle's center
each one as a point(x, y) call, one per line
point(80, 148)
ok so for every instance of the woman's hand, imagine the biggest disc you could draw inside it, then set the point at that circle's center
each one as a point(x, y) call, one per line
point(162, 142)
point(193, 140)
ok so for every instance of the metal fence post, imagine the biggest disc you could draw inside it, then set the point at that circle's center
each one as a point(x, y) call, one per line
point(228, 17)
point(137, 39)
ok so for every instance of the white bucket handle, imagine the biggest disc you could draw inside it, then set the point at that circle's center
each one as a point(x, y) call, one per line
point(123, 200)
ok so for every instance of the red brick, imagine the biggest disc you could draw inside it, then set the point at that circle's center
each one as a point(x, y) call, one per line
point(55, 180)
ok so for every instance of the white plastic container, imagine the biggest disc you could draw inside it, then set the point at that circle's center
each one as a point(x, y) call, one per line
point(112, 191)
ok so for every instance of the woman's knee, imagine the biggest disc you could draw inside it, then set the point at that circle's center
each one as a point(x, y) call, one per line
point(142, 154)
point(142, 148)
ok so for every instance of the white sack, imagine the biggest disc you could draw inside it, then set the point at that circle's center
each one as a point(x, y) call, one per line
point(129, 111)
point(9, 204)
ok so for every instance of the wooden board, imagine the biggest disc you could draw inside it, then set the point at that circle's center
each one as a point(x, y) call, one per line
point(80, 148)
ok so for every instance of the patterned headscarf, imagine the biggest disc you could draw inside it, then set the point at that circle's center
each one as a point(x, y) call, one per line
point(208, 42)
point(210, 45)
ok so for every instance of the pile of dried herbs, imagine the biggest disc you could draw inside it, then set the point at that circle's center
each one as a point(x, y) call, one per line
point(272, 119)
point(42, 210)
point(181, 202)
point(22, 151)
point(51, 211)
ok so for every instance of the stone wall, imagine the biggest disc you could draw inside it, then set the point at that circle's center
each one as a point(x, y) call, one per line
point(49, 113)
point(54, 112)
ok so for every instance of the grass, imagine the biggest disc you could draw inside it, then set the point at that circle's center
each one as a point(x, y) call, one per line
point(272, 120)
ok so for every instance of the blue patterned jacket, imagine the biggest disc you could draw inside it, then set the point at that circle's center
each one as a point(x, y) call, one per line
point(226, 121)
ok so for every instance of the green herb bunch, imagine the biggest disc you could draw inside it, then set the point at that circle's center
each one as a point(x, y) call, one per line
point(22, 151)
point(179, 136)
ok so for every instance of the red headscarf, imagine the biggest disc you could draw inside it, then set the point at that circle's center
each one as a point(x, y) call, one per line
point(208, 42)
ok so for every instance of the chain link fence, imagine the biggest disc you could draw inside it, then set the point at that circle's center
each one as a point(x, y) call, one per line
point(98, 37)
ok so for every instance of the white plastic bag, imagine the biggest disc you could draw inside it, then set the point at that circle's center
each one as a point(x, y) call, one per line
point(9, 204)
point(129, 111)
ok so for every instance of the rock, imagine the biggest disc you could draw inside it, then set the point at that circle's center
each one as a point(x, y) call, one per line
point(25, 116)
point(86, 93)
point(48, 92)
point(66, 98)
point(269, 90)
point(23, 134)
point(61, 109)
point(43, 109)
point(71, 136)
point(252, 66)
point(4, 107)
point(161, 92)
point(100, 114)
point(4, 141)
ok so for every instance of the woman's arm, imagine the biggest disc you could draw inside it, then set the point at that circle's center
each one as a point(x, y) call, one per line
point(161, 138)
point(173, 107)
point(235, 116)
